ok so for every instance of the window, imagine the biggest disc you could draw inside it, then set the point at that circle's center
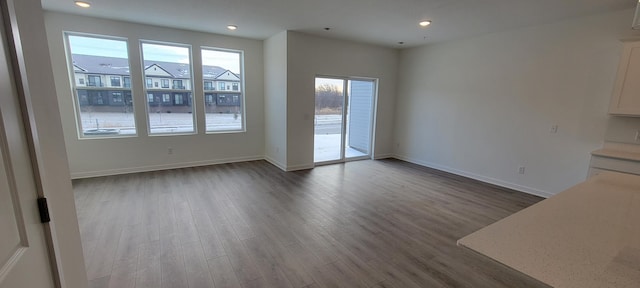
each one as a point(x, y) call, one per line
point(115, 81)
point(155, 84)
point(178, 99)
point(100, 111)
point(228, 100)
point(175, 60)
point(150, 97)
point(149, 82)
point(166, 98)
point(95, 98)
point(177, 84)
point(208, 85)
point(94, 81)
point(165, 83)
point(126, 82)
point(223, 112)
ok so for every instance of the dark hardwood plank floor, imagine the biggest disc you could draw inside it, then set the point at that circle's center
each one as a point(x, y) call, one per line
point(382, 223)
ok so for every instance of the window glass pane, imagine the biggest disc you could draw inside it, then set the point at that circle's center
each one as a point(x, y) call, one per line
point(98, 65)
point(169, 108)
point(222, 74)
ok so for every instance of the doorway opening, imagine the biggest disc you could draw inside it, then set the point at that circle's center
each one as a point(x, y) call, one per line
point(343, 122)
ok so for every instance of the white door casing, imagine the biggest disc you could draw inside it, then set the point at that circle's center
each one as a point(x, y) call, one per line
point(24, 257)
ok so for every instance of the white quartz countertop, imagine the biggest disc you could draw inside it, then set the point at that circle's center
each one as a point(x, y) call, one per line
point(585, 236)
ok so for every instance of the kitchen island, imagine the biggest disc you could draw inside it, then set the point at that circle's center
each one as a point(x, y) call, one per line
point(585, 236)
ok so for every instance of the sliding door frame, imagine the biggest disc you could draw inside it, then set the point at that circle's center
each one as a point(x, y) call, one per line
point(345, 105)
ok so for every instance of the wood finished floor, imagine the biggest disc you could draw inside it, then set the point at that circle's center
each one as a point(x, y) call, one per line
point(362, 224)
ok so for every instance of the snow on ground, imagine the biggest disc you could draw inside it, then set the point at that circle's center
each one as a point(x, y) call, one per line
point(159, 122)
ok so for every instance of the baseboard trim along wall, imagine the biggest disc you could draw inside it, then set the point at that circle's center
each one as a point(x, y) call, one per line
point(282, 167)
point(275, 163)
point(383, 156)
point(474, 176)
point(299, 167)
point(110, 172)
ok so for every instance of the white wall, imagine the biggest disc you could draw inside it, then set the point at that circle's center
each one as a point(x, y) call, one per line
point(483, 106)
point(275, 104)
point(44, 117)
point(309, 56)
point(91, 157)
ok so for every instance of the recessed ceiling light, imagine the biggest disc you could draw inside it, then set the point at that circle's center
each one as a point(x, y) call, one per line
point(425, 23)
point(232, 27)
point(83, 4)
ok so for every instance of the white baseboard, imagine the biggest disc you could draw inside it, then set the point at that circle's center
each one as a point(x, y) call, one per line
point(275, 163)
point(109, 172)
point(481, 178)
point(383, 156)
point(299, 167)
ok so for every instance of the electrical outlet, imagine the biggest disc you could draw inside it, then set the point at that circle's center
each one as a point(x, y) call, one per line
point(169, 150)
point(521, 170)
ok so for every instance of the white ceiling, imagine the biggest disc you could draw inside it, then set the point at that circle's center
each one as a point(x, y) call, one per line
point(380, 22)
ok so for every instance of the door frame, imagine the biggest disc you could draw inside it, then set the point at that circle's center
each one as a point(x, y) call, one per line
point(16, 58)
point(28, 52)
point(345, 105)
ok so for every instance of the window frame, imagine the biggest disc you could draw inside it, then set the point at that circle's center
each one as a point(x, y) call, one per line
point(77, 98)
point(116, 79)
point(241, 93)
point(184, 91)
point(95, 84)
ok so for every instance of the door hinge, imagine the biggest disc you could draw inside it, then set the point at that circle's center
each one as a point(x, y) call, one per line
point(44, 210)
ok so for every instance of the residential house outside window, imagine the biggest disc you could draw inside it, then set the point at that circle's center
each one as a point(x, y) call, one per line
point(222, 86)
point(165, 83)
point(235, 86)
point(149, 82)
point(101, 111)
point(126, 82)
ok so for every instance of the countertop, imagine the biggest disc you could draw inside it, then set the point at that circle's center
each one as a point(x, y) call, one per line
point(585, 236)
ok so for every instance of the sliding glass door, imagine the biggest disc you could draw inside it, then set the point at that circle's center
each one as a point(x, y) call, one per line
point(343, 119)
